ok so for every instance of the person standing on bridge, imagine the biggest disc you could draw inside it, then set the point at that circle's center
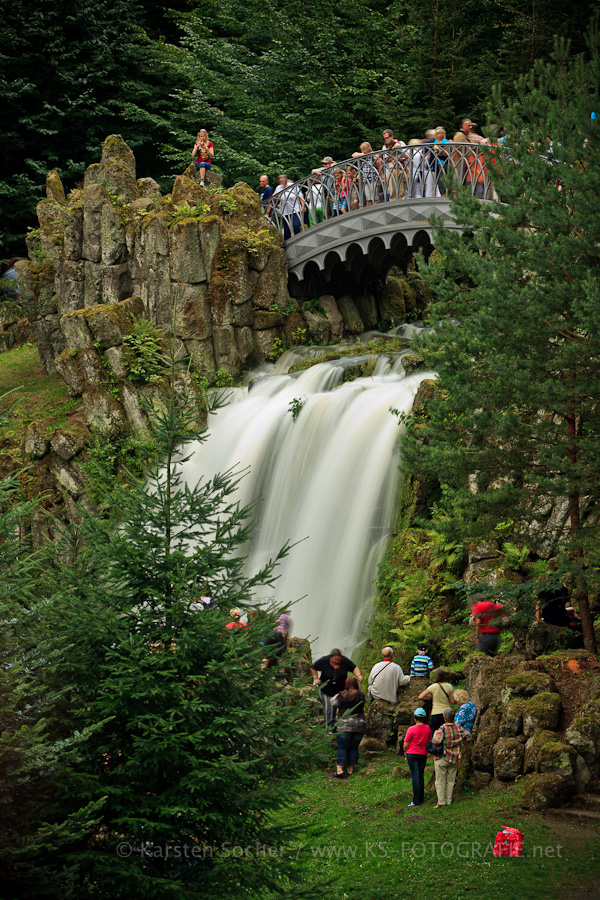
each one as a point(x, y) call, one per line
point(369, 173)
point(265, 191)
point(469, 164)
point(289, 202)
point(394, 166)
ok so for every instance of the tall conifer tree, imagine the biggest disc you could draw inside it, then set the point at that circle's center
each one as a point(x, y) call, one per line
point(515, 425)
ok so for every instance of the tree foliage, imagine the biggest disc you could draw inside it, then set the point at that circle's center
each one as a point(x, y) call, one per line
point(515, 425)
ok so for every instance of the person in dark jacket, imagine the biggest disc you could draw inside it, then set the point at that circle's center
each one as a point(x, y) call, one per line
point(329, 674)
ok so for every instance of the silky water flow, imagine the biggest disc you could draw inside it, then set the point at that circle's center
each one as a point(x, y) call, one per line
point(326, 480)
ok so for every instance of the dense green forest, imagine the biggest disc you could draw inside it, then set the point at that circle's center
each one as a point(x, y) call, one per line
point(277, 84)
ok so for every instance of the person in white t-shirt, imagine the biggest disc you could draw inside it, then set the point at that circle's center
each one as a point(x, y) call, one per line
point(386, 677)
point(289, 202)
point(393, 163)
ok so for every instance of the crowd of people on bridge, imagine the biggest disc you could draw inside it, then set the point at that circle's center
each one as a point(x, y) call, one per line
point(397, 171)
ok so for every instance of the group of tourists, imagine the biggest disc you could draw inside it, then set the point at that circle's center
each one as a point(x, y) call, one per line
point(339, 678)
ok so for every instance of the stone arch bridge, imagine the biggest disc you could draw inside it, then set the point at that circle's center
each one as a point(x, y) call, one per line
point(346, 225)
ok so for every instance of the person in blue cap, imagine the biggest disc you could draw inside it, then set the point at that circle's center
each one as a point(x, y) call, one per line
point(415, 747)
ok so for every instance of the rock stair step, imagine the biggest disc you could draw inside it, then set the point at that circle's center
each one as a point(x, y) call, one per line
point(586, 801)
point(588, 815)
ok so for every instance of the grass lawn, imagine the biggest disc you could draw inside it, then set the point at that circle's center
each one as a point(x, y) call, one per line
point(38, 397)
point(359, 836)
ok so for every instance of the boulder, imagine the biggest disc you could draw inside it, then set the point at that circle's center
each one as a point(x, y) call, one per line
point(265, 346)
point(67, 474)
point(109, 323)
point(584, 733)
point(412, 363)
point(334, 316)
point(392, 301)
point(94, 199)
point(114, 358)
point(484, 679)
point(547, 790)
point(66, 443)
point(130, 399)
point(479, 780)
point(527, 684)
point(556, 756)
point(113, 248)
point(117, 168)
point(367, 310)
point(533, 747)
point(264, 319)
point(542, 712)
point(372, 745)
point(511, 723)
point(581, 774)
point(73, 231)
point(76, 331)
point(191, 311)
point(380, 719)
point(294, 329)
point(148, 188)
point(186, 256)
point(36, 442)
point(543, 639)
point(353, 323)
point(483, 748)
point(318, 326)
point(508, 758)
point(101, 410)
point(186, 190)
point(54, 188)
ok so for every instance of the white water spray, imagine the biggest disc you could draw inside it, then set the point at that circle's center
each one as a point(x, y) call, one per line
point(327, 479)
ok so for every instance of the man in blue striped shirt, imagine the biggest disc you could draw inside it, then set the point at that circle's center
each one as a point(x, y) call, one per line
point(421, 666)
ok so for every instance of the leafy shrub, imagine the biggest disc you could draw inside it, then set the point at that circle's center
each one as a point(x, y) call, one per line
point(143, 357)
point(224, 378)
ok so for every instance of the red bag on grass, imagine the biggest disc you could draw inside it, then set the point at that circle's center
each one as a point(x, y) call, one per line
point(509, 842)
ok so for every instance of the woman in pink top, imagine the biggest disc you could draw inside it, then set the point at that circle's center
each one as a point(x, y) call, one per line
point(415, 743)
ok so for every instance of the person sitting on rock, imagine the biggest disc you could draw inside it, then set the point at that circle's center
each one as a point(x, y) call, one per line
point(202, 154)
point(334, 670)
point(441, 694)
point(386, 677)
point(421, 665)
point(467, 711)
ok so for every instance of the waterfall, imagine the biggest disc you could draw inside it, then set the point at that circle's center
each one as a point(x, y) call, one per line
point(327, 479)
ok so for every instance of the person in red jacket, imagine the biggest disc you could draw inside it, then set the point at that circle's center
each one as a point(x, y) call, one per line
point(487, 617)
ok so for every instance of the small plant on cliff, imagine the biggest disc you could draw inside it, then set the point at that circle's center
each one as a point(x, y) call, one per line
point(224, 378)
point(185, 211)
point(144, 358)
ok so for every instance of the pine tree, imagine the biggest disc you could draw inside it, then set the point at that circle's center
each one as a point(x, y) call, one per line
point(515, 424)
point(193, 742)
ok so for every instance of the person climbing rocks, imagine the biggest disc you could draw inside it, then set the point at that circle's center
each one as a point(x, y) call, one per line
point(487, 617)
point(422, 664)
point(202, 154)
point(329, 674)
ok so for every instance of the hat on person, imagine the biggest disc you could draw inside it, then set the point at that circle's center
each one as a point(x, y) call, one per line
point(327, 159)
point(235, 613)
point(421, 646)
point(420, 713)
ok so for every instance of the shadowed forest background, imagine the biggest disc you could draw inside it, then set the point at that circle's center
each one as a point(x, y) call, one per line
point(277, 84)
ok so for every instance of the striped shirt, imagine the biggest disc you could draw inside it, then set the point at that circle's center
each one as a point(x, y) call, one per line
point(421, 665)
point(452, 735)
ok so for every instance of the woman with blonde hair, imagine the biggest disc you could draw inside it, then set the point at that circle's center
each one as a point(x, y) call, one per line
point(368, 174)
point(467, 711)
point(203, 153)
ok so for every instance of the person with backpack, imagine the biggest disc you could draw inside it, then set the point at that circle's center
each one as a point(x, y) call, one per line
point(451, 737)
point(440, 692)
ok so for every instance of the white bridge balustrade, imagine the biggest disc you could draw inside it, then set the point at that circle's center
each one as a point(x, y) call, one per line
point(367, 213)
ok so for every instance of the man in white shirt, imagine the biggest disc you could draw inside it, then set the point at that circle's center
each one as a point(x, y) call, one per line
point(288, 200)
point(386, 677)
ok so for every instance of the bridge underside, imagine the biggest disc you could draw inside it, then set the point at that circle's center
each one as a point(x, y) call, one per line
point(346, 254)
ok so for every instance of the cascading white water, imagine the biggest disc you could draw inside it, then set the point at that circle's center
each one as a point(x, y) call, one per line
point(327, 479)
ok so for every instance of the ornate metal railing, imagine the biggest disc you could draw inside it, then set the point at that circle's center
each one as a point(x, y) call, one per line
point(428, 170)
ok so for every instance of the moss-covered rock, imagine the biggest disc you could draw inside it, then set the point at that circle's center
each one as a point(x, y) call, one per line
point(412, 363)
point(117, 168)
point(367, 310)
point(584, 733)
point(334, 316)
point(511, 723)
point(264, 319)
point(112, 236)
point(392, 301)
point(318, 326)
point(410, 297)
point(102, 410)
point(380, 718)
point(36, 442)
point(508, 758)
point(73, 231)
point(485, 741)
point(556, 756)
point(484, 677)
point(67, 441)
point(109, 323)
point(187, 263)
point(533, 747)
point(527, 684)
point(192, 318)
point(542, 712)
point(148, 188)
point(353, 323)
point(95, 198)
point(54, 188)
point(547, 790)
point(186, 190)
point(372, 745)
point(543, 639)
